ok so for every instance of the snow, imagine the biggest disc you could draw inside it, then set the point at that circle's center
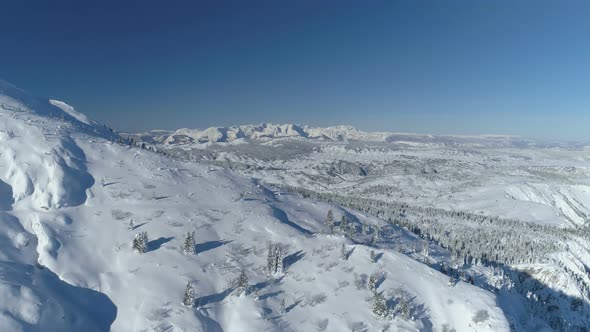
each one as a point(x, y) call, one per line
point(68, 193)
point(71, 111)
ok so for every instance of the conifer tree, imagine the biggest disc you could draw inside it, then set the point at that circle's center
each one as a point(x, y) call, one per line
point(274, 260)
point(373, 257)
point(343, 252)
point(131, 224)
point(380, 308)
point(189, 295)
point(270, 259)
point(189, 243)
point(140, 243)
point(404, 308)
point(242, 282)
point(373, 283)
point(425, 250)
point(330, 221)
point(330, 217)
point(283, 308)
point(279, 257)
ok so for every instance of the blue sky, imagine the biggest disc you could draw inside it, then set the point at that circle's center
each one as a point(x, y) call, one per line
point(442, 67)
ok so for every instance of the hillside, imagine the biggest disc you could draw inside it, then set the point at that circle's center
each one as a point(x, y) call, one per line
point(72, 202)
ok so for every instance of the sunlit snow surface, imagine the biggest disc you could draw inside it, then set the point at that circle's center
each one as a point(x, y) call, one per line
point(67, 195)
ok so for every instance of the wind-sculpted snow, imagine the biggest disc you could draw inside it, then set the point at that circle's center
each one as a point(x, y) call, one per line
point(41, 162)
point(34, 299)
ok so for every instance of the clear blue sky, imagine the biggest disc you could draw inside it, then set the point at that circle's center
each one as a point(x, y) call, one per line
point(461, 67)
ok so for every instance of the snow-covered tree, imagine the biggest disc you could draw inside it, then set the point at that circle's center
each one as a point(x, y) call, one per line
point(274, 260)
point(343, 223)
point(140, 243)
point(330, 221)
point(380, 308)
point(189, 243)
point(270, 259)
point(425, 250)
point(343, 251)
point(330, 217)
point(373, 284)
point(283, 308)
point(373, 257)
point(189, 295)
point(404, 307)
point(452, 281)
point(279, 257)
point(242, 282)
point(131, 224)
point(351, 231)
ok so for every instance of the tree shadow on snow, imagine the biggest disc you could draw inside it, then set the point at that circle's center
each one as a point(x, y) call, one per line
point(208, 323)
point(209, 245)
point(282, 217)
point(157, 243)
point(349, 253)
point(214, 298)
point(292, 259)
point(380, 280)
point(266, 283)
point(269, 295)
point(137, 226)
point(293, 306)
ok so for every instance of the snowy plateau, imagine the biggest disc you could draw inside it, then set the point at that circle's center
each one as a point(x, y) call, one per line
point(285, 228)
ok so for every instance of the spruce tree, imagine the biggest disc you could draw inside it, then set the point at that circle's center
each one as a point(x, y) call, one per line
point(404, 308)
point(270, 259)
point(274, 260)
point(131, 224)
point(343, 252)
point(279, 257)
point(189, 295)
point(380, 308)
point(373, 257)
point(330, 217)
point(373, 284)
point(425, 250)
point(189, 243)
point(283, 308)
point(242, 282)
point(140, 243)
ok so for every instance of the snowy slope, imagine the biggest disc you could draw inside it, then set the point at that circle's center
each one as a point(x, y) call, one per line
point(67, 195)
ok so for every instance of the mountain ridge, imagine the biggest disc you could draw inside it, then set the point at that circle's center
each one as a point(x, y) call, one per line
point(340, 133)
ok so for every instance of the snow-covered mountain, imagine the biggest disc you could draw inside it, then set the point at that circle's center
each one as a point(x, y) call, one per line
point(267, 132)
point(261, 132)
point(72, 201)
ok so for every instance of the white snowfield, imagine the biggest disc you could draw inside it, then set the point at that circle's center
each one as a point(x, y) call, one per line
point(68, 194)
